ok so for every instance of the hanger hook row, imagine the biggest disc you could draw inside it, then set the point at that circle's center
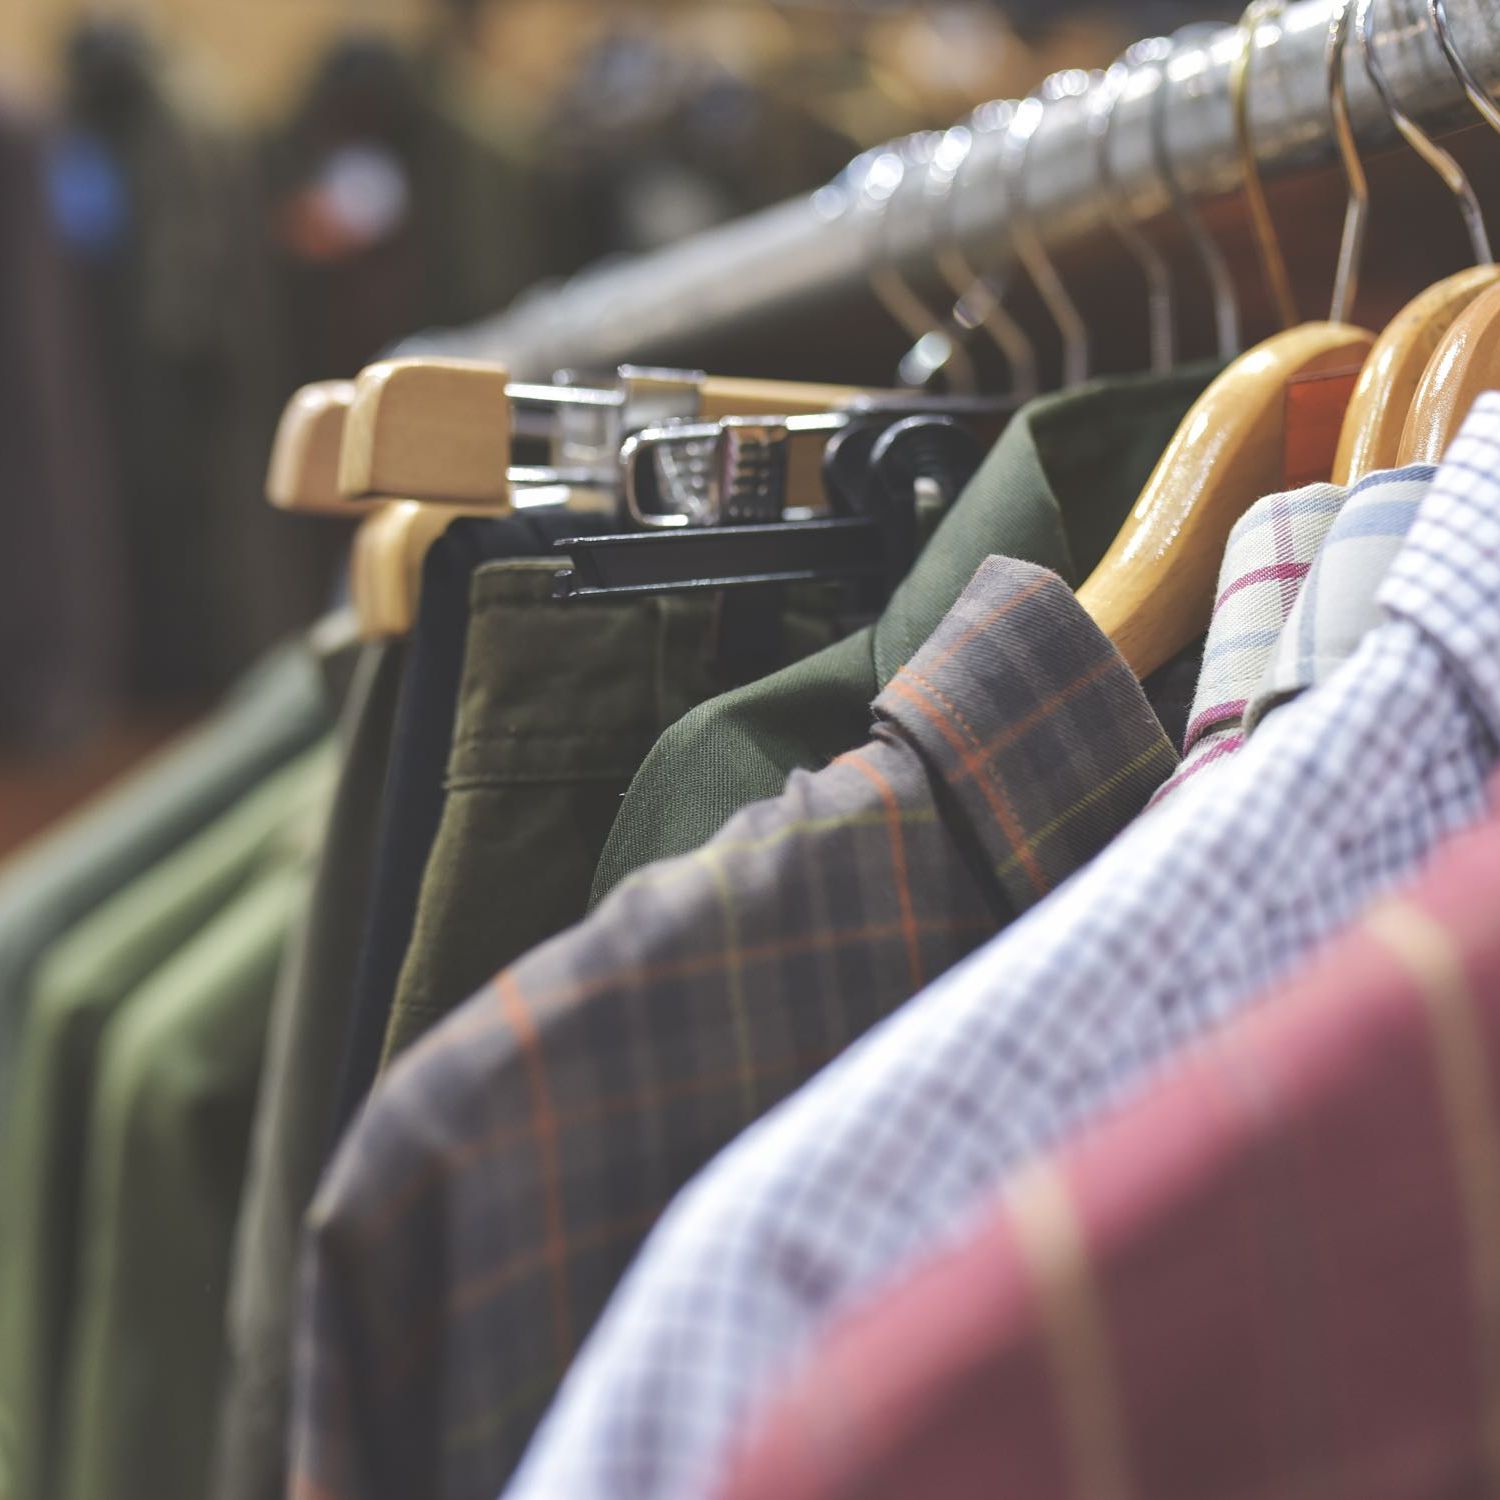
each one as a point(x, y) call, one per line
point(1273, 261)
point(980, 293)
point(1019, 134)
point(1103, 104)
point(1357, 209)
point(1442, 162)
point(935, 350)
point(1211, 257)
point(1478, 96)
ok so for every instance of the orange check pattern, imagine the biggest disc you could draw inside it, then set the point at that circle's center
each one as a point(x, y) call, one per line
point(1276, 1273)
point(501, 1179)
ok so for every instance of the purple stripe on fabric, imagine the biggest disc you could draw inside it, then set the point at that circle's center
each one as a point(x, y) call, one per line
point(1226, 746)
point(1271, 573)
point(1215, 714)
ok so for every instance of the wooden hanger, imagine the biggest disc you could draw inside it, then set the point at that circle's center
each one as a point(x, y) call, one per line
point(434, 429)
point(430, 440)
point(385, 571)
point(719, 396)
point(440, 429)
point(1385, 394)
point(304, 472)
point(1152, 593)
point(1466, 362)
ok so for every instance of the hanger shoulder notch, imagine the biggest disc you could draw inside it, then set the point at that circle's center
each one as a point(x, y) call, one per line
point(304, 472)
point(430, 429)
point(1152, 593)
point(1386, 391)
point(385, 569)
point(1465, 364)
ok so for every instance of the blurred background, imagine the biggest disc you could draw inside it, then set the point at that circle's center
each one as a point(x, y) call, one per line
point(206, 203)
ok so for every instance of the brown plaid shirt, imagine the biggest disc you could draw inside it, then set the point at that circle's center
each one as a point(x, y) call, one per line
point(501, 1179)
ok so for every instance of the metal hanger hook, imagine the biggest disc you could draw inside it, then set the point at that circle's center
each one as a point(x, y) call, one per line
point(1357, 210)
point(1268, 243)
point(1103, 103)
point(1161, 51)
point(1441, 161)
point(935, 350)
point(981, 294)
point(1478, 97)
point(1028, 243)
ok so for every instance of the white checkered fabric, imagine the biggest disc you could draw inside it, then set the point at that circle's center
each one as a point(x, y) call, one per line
point(1338, 798)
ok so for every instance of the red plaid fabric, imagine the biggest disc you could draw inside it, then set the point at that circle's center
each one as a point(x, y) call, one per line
point(1276, 1274)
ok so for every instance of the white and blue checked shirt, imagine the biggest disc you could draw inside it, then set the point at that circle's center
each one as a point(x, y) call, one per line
point(1297, 594)
point(1270, 551)
point(1338, 604)
point(1338, 798)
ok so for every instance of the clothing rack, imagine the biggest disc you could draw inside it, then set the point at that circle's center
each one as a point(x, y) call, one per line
point(773, 264)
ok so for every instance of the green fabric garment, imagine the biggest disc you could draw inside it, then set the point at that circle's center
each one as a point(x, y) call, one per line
point(80, 989)
point(1054, 490)
point(169, 1128)
point(559, 704)
point(293, 1112)
point(278, 710)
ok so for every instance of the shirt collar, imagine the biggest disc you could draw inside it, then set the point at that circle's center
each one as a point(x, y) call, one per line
point(1035, 731)
point(1446, 580)
point(1055, 489)
point(1269, 554)
point(1337, 606)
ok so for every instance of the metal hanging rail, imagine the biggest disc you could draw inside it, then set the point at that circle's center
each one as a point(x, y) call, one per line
point(897, 203)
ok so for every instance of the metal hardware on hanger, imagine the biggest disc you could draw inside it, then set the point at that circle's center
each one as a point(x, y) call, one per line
point(1028, 243)
point(418, 404)
point(734, 471)
point(1162, 324)
point(1161, 51)
point(1268, 243)
point(917, 459)
point(726, 473)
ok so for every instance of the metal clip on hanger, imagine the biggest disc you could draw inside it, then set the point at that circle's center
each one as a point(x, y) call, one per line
point(642, 396)
point(912, 458)
point(1387, 391)
point(698, 473)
